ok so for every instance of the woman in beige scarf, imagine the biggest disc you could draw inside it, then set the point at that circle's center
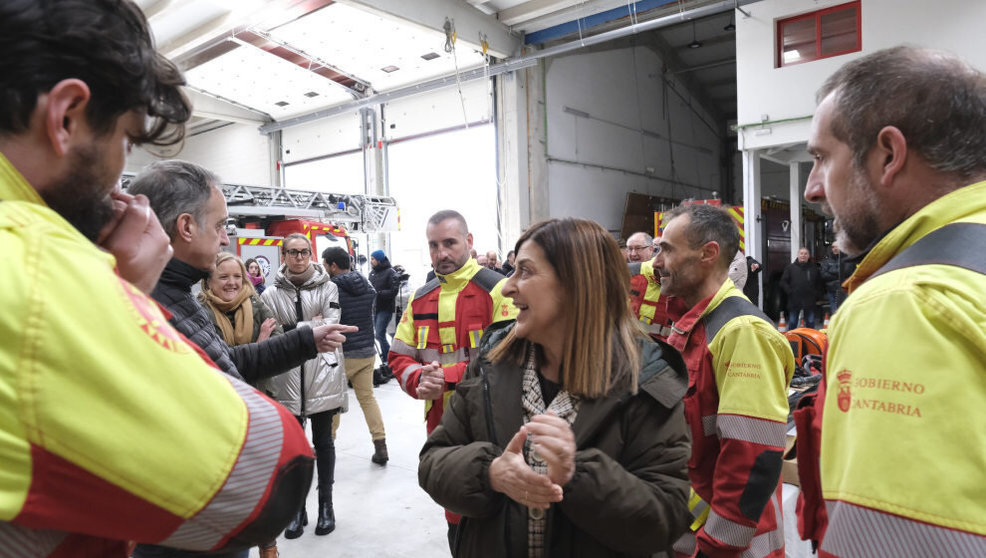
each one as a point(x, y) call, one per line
point(239, 315)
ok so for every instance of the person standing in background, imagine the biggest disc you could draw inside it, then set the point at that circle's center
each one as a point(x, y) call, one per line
point(356, 297)
point(255, 275)
point(802, 282)
point(384, 281)
point(835, 269)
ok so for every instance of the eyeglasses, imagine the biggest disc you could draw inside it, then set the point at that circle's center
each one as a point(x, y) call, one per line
point(299, 253)
point(637, 248)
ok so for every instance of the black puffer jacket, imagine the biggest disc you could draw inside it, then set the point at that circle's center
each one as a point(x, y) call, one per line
point(251, 362)
point(629, 494)
point(356, 296)
point(835, 269)
point(802, 282)
point(384, 281)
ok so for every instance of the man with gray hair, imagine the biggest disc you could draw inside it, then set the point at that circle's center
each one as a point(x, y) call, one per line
point(740, 367)
point(900, 162)
point(192, 210)
point(640, 247)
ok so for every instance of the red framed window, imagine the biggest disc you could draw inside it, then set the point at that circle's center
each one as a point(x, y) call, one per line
point(821, 34)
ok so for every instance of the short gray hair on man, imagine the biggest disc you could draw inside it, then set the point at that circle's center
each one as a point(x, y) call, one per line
point(709, 223)
point(935, 99)
point(175, 187)
point(648, 239)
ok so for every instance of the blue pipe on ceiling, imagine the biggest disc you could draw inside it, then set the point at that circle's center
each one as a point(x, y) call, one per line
point(588, 22)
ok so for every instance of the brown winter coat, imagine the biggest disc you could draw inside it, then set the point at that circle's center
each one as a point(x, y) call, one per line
point(628, 496)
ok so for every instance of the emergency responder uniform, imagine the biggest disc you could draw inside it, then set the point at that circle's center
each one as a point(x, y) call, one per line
point(646, 301)
point(902, 434)
point(739, 369)
point(112, 427)
point(444, 322)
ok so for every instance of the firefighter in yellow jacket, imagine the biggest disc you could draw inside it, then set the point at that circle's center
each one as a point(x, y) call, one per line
point(739, 368)
point(112, 428)
point(439, 333)
point(902, 169)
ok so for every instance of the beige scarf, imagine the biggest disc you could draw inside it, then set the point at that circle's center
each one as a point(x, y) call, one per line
point(240, 332)
point(299, 279)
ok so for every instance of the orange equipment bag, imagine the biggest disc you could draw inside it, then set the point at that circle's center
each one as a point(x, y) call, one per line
point(806, 341)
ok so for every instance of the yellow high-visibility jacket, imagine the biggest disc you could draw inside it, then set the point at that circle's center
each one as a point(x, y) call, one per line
point(112, 428)
point(903, 449)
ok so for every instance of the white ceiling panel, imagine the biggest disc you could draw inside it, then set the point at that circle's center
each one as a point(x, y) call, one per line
point(259, 80)
point(363, 44)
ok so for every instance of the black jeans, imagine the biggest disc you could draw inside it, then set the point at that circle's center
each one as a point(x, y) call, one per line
point(325, 449)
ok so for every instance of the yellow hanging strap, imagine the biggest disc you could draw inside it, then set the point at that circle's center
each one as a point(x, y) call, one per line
point(700, 510)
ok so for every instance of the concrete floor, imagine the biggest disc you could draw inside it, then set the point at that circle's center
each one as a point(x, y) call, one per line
point(380, 511)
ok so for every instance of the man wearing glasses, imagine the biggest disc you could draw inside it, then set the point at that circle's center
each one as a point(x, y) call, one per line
point(648, 304)
point(640, 247)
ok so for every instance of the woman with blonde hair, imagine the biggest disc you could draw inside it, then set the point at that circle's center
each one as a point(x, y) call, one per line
point(568, 437)
point(235, 309)
point(240, 317)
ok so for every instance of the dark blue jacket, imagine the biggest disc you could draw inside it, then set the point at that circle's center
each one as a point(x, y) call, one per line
point(384, 280)
point(356, 297)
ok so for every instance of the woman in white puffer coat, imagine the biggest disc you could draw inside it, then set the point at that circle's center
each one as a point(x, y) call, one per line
point(303, 294)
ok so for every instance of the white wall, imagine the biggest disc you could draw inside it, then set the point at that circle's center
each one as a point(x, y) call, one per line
point(238, 153)
point(594, 161)
point(789, 92)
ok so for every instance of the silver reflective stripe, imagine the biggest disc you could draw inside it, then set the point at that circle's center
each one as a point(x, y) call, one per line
point(728, 532)
point(246, 484)
point(686, 544)
point(22, 541)
point(407, 374)
point(699, 509)
point(857, 531)
point(403, 348)
point(709, 425)
point(455, 357)
point(428, 356)
point(754, 430)
point(765, 543)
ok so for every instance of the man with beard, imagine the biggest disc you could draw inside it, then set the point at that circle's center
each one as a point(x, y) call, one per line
point(112, 427)
point(900, 159)
point(439, 334)
point(739, 369)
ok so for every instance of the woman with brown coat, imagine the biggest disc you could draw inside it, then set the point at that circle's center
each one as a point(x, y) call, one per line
point(568, 436)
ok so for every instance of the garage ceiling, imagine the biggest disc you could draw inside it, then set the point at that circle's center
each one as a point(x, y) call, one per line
point(270, 60)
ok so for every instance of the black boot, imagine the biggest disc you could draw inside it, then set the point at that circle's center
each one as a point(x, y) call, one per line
point(297, 525)
point(326, 515)
point(380, 456)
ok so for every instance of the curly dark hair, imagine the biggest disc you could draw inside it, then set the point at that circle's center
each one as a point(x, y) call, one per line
point(105, 43)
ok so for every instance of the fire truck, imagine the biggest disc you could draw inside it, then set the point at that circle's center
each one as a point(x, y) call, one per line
point(261, 216)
